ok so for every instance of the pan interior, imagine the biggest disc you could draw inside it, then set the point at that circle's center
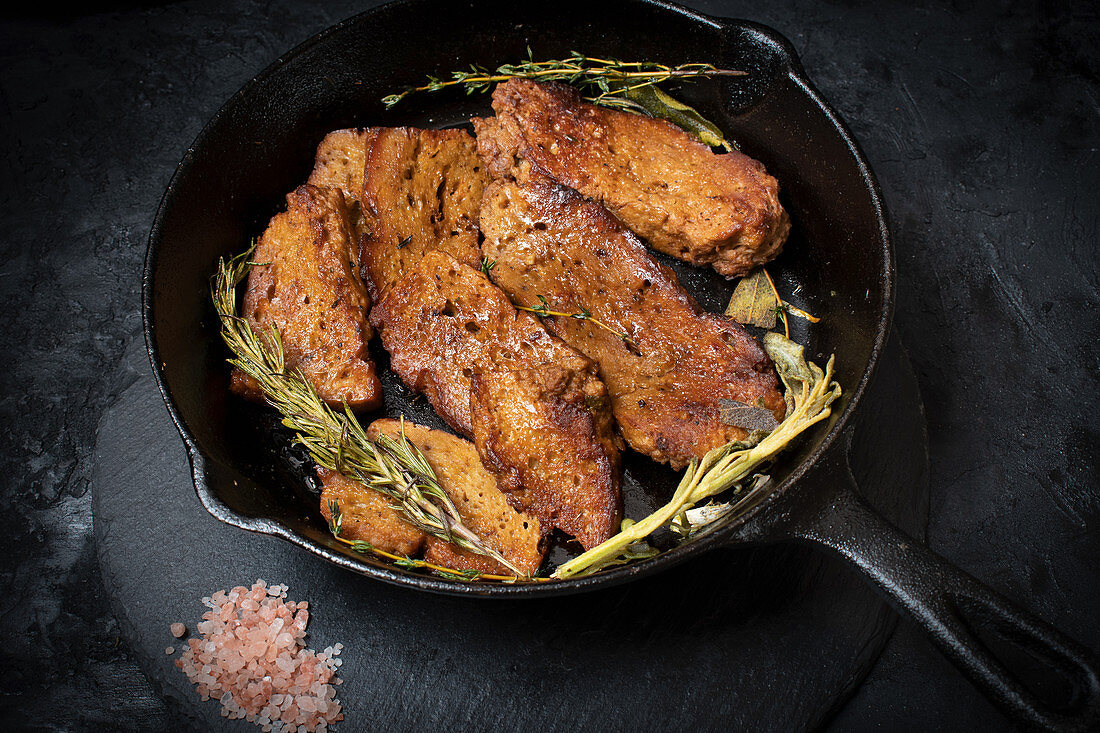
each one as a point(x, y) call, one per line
point(261, 145)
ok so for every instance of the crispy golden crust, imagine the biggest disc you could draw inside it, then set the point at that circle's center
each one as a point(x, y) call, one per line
point(666, 384)
point(479, 500)
point(422, 189)
point(340, 161)
point(547, 433)
point(368, 516)
point(719, 210)
point(444, 323)
point(308, 287)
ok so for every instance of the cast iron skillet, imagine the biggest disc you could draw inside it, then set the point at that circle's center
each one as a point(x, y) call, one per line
point(838, 263)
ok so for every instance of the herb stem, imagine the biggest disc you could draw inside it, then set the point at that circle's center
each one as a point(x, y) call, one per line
point(366, 547)
point(785, 307)
point(651, 76)
point(585, 71)
point(779, 300)
point(543, 310)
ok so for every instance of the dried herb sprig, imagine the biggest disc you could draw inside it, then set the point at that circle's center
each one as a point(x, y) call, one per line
point(543, 310)
point(603, 78)
point(624, 85)
point(782, 307)
point(336, 440)
point(756, 301)
point(404, 561)
point(809, 392)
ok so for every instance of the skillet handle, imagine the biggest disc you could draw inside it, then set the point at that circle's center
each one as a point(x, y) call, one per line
point(956, 610)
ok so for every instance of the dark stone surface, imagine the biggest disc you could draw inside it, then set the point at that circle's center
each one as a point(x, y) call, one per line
point(696, 643)
point(981, 122)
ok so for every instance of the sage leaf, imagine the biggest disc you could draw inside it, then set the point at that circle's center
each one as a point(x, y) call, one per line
point(743, 415)
point(659, 104)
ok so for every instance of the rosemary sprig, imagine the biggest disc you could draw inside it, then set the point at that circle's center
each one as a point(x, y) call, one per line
point(809, 392)
point(543, 310)
point(404, 561)
point(336, 440)
point(604, 79)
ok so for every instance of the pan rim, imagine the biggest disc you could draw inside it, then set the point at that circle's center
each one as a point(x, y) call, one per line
point(607, 578)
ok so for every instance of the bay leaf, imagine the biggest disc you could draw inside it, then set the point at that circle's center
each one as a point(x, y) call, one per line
point(753, 301)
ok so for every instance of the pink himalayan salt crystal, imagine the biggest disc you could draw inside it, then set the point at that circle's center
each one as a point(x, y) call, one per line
point(178, 630)
point(251, 657)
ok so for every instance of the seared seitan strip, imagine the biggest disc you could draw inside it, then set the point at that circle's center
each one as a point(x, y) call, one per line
point(422, 189)
point(369, 515)
point(706, 209)
point(445, 320)
point(552, 452)
point(339, 163)
point(669, 380)
point(341, 159)
point(308, 286)
point(448, 329)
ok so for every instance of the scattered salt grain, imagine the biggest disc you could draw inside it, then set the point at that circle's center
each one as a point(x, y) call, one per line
point(169, 650)
point(252, 658)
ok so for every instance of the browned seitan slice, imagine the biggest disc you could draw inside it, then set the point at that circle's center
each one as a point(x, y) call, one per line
point(484, 508)
point(669, 382)
point(369, 516)
point(308, 286)
point(443, 321)
point(340, 162)
point(553, 454)
point(711, 209)
point(444, 325)
point(341, 159)
point(422, 191)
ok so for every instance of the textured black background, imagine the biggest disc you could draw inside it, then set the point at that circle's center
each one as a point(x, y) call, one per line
point(981, 122)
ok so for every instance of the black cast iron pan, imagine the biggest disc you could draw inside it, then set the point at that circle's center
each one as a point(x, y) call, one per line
point(838, 264)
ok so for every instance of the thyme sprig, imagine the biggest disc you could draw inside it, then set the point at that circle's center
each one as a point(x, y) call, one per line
point(607, 81)
point(543, 310)
point(630, 86)
point(336, 440)
point(809, 392)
